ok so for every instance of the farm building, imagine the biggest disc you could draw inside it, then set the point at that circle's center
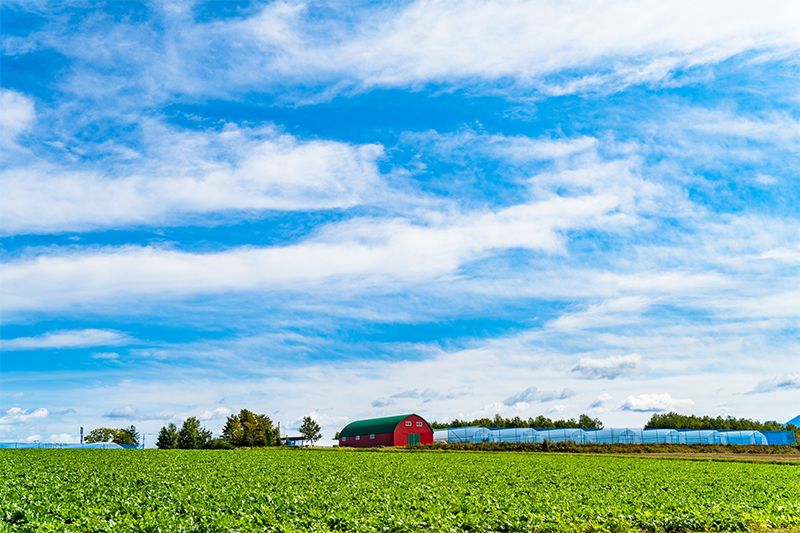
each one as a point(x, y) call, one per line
point(400, 430)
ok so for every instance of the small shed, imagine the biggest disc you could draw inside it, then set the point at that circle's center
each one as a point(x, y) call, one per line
point(400, 430)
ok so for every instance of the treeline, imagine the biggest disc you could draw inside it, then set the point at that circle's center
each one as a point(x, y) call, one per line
point(673, 420)
point(247, 429)
point(583, 422)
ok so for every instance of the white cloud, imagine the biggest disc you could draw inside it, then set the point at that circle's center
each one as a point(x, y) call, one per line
point(601, 401)
point(64, 438)
point(366, 250)
point(18, 395)
point(15, 415)
point(777, 383)
point(76, 338)
point(216, 414)
point(381, 402)
point(521, 44)
point(612, 311)
point(609, 367)
point(33, 438)
point(185, 173)
point(532, 394)
point(431, 394)
point(654, 402)
point(323, 419)
point(17, 116)
point(616, 42)
point(108, 356)
point(127, 412)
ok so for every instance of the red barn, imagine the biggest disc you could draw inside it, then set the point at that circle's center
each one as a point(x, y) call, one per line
point(401, 430)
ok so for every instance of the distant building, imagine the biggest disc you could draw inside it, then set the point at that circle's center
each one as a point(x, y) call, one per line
point(400, 430)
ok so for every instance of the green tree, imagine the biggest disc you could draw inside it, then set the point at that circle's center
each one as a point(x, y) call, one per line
point(540, 421)
point(249, 429)
point(168, 437)
point(232, 431)
point(126, 437)
point(192, 435)
point(571, 423)
point(336, 437)
point(100, 435)
point(586, 422)
point(310, 430)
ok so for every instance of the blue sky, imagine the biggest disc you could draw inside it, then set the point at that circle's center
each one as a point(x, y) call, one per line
point(346, 211)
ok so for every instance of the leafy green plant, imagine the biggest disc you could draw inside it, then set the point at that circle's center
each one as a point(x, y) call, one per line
point(339, 490)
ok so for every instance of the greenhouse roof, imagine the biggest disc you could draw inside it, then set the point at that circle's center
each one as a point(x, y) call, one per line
point(386, 424)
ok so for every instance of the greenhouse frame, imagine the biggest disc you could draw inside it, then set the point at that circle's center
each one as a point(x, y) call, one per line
point(477, 434)
point(68, 446)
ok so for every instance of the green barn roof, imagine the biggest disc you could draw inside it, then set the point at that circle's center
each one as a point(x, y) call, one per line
point(386, 424)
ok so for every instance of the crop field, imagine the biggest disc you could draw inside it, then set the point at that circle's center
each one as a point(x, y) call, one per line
point(316, 490)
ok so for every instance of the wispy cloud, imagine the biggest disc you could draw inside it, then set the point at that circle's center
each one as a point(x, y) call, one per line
point(532, 394)
point(381, 402)
point(107, 356)
point(183, 173)
point(126, 412)
point(609, 367)
point(78, 338)
point(608, 45)
point(777, 383)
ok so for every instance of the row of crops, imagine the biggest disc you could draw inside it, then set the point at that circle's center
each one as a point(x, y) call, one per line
point(319, 490)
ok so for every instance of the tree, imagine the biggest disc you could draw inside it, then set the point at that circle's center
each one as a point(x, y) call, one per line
point(100, 435)
point(586, 422)
point(168, 437)
point(541, 421)
point(336, 437)
point(249, 429)
point(192, 435)
point(232, 431)
point(310, 430)
point(128, 437)
point(571, 423)
point(125, 437)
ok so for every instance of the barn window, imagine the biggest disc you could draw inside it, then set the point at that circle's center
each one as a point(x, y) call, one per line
point(372, 436)
point(408, 423)
point(419, 424)
point(344, 439)
point(358, 437)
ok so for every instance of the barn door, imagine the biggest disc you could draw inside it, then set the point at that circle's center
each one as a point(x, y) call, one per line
point(413, 439)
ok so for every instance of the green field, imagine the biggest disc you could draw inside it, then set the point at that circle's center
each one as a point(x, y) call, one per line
point(318, 490)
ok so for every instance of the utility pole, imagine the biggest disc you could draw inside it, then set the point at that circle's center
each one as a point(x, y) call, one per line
point(81, 435)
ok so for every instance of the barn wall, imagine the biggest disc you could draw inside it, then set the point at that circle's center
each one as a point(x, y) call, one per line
point(381, 439)
point(402, 431)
